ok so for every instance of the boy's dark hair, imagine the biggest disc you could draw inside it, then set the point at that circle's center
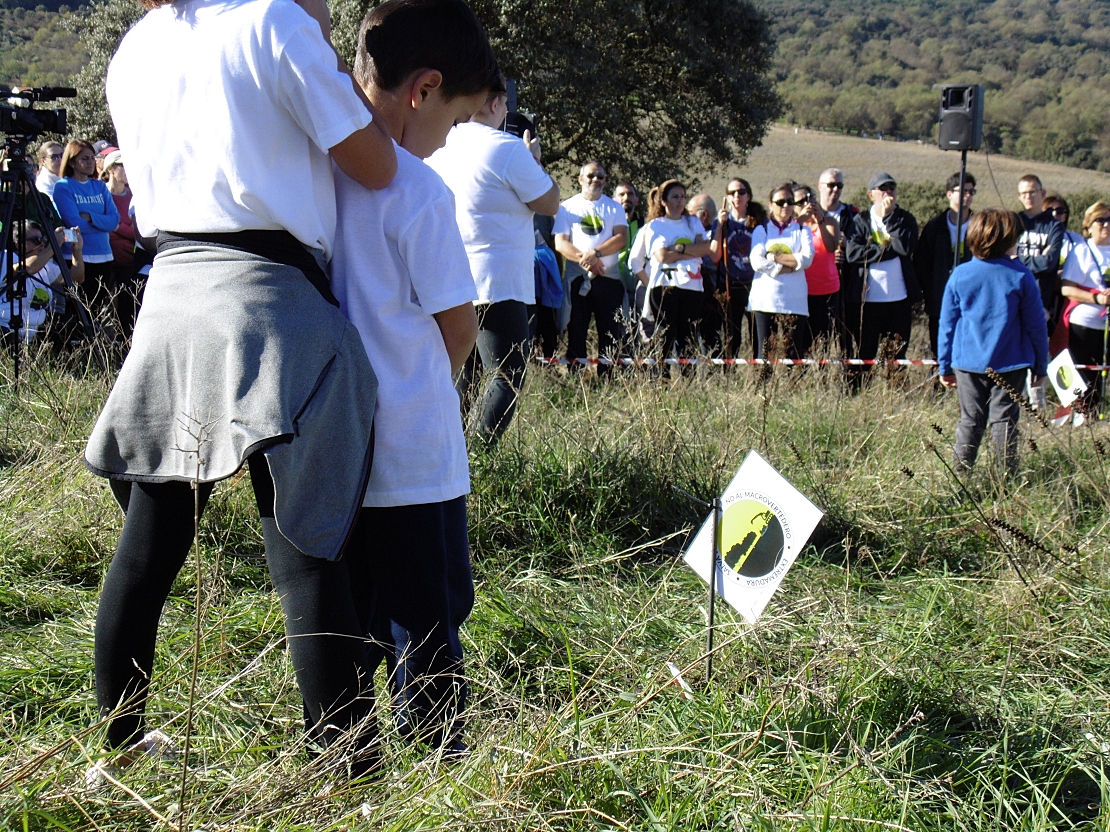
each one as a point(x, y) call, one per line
point(953, 182)
point(400, 37)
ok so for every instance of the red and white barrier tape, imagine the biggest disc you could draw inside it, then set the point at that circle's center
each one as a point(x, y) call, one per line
point(789, 362)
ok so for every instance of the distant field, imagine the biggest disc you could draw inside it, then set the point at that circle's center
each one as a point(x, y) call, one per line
point(803, 155)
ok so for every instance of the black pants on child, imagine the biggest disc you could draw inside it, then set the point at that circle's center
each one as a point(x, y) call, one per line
point(323, 628)
point(415, 590)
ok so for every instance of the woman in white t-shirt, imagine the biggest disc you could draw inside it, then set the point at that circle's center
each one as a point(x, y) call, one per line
point(1085, 282)
point(675, 242)
point(781, 251)
point(241, 353)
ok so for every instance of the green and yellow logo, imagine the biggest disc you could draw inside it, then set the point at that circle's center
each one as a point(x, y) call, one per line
point(751, 539)
point(1065, 377)
point(686, 241)
point(592, 224)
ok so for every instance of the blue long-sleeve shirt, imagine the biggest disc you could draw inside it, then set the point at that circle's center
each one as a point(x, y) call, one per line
point(991, 317)
point(92, 197)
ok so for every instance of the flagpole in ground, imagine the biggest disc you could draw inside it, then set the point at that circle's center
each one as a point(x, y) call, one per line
point(712, 592)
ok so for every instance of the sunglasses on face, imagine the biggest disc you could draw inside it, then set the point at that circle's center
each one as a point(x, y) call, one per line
point(1060, 212)
point(888, 188)
point(737, 192)
point(34, 242)
point(598, 176)
point(1101, 220)
point(831, 185)
point(784, 203)
point(54, 156)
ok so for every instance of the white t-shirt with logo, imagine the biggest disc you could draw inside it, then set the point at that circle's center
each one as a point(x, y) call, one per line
point(884, 281)
point(225, 111)
point(492, 175)
point(35, 306)
point(665, 233)
point(1088, 266)
point(399, 259)
point(589, 223)
point(774, 290)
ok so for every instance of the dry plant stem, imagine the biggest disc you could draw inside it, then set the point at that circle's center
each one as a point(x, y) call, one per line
point(986, 522)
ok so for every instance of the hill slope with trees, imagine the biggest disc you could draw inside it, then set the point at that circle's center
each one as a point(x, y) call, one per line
point(867, 66)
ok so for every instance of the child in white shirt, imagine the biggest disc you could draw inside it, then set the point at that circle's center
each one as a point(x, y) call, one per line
point(402, 277)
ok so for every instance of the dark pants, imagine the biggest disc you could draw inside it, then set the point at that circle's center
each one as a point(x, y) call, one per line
point(543, 331)
point(502, 351)
point(983, 404)
point(603, 303)
point(323, 628)
point(824, 319)
point(781, 336)
point(727, 315)
point(415, 591)
point(1087, 346)
point(677, 312)
point(879, 322)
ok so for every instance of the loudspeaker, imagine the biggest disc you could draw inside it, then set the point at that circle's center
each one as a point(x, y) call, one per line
point(961, 117)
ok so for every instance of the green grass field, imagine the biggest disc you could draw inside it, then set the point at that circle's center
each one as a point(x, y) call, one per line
point(936, 660)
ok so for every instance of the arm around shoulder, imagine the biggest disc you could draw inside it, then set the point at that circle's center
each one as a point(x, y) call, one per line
point(367, 155)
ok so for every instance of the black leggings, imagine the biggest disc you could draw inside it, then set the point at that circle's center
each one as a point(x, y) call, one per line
point(333, 670)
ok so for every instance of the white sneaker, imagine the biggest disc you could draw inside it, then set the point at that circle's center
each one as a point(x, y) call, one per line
point(154, 744)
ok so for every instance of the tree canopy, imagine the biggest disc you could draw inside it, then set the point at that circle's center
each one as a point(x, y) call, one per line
point(645, 86)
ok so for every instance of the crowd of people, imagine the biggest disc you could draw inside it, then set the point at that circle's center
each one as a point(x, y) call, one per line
point(325, 338)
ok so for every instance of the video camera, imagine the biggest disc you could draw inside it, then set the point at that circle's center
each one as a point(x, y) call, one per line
point(517, 122)
point(18, 117)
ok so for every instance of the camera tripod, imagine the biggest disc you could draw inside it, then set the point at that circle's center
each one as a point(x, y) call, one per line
point(21, 201)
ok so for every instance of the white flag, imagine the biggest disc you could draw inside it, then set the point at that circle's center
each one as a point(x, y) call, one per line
point(765, 522)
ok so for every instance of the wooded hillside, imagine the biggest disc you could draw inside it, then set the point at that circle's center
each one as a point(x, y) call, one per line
point(870, 66)
point(858, 66)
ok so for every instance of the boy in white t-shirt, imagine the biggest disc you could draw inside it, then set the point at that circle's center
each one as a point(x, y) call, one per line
point(402, 277)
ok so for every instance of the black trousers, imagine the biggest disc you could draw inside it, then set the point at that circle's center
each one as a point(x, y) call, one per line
point(322, 625)
point(725, 319)
point(502, 351)
point(410, 571)
point(825, 318)
point(777, 333)
point(869, 324)
point(677, 314)
point(603, 304)
point(543, 330)
point(1087, 346)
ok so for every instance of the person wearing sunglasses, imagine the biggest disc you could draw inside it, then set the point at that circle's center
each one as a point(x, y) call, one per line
point(591, 229)
point(45, 285)
point(1062, 213)
point(935, 255)
point(879, 292)
point(50, 167)
point(739, 218)
point(782, 250)
point(1085, 284)
point(822, 277)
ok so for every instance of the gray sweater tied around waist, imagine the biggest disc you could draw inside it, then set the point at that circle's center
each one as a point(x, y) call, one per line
point(233, 353)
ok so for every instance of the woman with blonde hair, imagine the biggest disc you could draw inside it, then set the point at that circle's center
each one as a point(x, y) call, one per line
point(1085, 284)
point(991, 318)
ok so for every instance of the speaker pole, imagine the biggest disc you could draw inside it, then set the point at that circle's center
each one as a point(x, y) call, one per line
point(957, 255)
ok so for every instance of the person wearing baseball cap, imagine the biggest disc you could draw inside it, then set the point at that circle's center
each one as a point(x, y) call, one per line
point(882, 287)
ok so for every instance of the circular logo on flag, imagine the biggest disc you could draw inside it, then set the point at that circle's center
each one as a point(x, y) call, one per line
point(592, 224)
point(1065, 378)
point(751, 539)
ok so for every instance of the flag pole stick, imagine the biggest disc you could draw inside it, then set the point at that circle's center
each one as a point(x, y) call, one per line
point(712, 594)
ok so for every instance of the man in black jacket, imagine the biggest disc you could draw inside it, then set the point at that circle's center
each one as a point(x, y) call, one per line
point(880, 290)
point(934, 257)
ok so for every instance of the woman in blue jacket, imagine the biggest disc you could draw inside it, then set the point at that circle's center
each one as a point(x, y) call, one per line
point(991, 317)
point(85, 202)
